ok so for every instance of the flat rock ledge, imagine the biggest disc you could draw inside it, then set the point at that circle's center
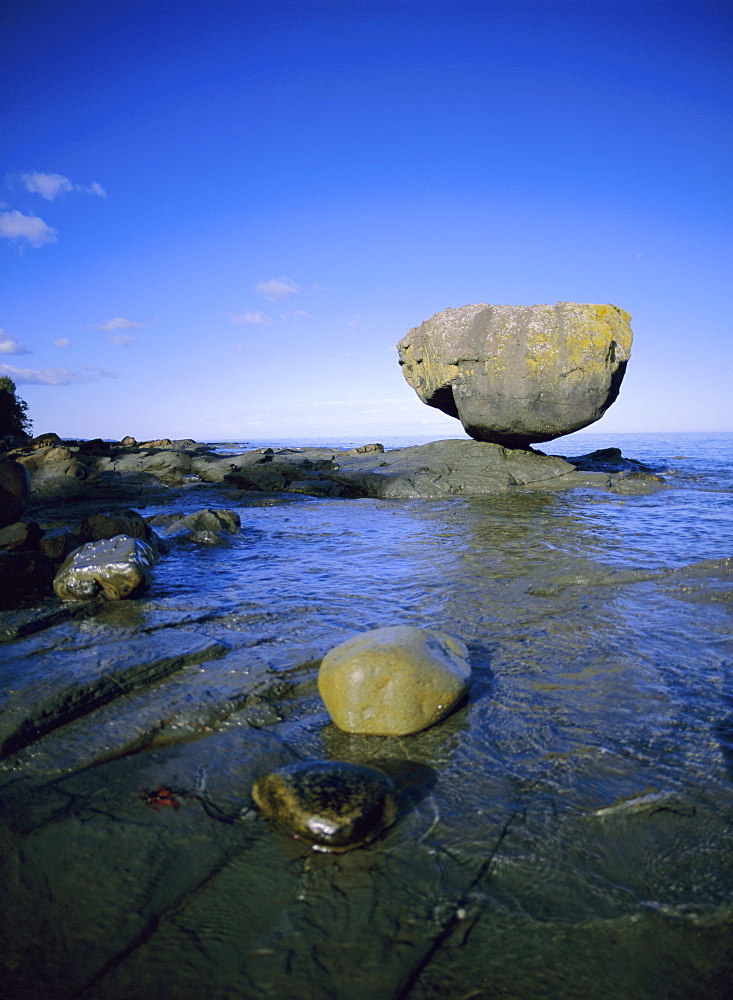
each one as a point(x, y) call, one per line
point(439, 469)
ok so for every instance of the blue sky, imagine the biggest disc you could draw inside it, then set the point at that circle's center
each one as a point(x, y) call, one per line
point(218, 218)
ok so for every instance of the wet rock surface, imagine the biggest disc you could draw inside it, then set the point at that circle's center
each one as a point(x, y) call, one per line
point(516, 375)
point(567, 825)
point(393, 681)
point(332, 805)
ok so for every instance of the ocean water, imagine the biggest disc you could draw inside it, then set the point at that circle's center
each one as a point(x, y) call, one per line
point(570, 831)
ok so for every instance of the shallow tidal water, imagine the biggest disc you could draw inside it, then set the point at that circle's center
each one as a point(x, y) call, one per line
point(565, 833)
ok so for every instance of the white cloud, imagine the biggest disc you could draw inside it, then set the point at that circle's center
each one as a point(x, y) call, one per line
point(256, 318)
point(118, 323)
point(8, 346)
point(277, 289)
point(50, 186)
point(61, 342)
point(122, 339)
point(16, 226)
point(54, 376)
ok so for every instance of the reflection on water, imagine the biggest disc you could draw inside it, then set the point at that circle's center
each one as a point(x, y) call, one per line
point(572, 818)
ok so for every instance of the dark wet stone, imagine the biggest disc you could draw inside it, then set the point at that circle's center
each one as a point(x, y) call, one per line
point(23, 575)
point(606, 460)
point(97, 527)
point(59, 543)
point(204, 527)
point(332, 805)
point(14, 491)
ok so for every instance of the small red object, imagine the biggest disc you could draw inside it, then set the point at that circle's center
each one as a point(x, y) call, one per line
point(162, 796)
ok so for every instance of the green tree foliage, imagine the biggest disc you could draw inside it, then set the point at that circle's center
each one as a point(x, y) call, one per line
point(13, 417)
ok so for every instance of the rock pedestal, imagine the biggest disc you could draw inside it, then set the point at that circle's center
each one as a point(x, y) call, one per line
point(515, 375)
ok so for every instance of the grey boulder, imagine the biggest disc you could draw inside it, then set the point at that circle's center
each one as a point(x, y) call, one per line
point(515, 375)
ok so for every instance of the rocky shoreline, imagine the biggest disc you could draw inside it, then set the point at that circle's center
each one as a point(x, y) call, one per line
point(134, 731)
point(51, 478)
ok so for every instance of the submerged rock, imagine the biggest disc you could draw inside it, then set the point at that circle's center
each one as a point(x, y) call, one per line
point(393, 681)
point(109, 570)
point(204, 527)
point(332, 805)
point(515, 375)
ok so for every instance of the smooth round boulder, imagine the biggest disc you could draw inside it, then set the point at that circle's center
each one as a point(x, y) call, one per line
point(332, 805)
point(393, 681)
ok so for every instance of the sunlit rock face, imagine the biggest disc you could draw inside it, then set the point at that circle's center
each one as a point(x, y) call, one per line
point(516, 375)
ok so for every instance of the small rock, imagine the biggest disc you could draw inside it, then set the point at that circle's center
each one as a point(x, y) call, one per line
point(109, 570)
point(126, 522)
point(332, 805)
point(96, 446)
point(204, 527)
point(49, 440)
point(59, 543)
point(128, 442)
point(365, 449)
point(606, 460)
point(22, 535)
point(213, 520)
point(393, 681)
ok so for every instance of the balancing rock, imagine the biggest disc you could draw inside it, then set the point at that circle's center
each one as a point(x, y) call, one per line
point(515, 375)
